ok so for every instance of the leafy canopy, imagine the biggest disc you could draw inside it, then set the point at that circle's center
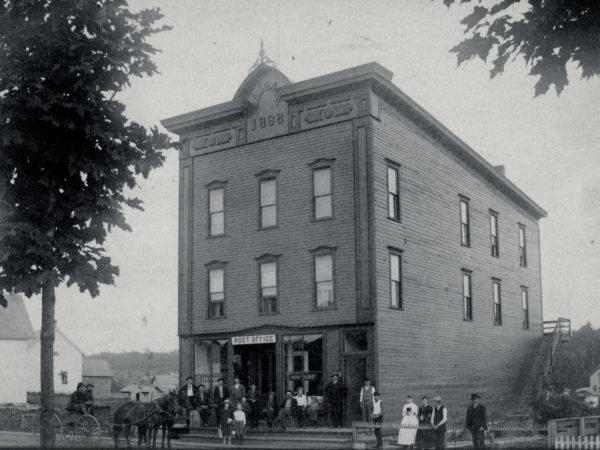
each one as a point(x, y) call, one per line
point(547, 34)
point(67, 151)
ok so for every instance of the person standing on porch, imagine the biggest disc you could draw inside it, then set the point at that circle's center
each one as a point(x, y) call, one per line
point(220, 394)
point(367, 393)
point(238, 391)
point(424, 437)
point(335, 392)
point(253, 400)
point(439, 417)
point(409, 424)
point(476, 422)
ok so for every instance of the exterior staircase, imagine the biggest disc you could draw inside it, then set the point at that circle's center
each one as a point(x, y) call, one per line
point(555, 333)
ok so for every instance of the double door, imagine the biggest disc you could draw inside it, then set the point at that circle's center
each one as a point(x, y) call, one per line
point(256, 364)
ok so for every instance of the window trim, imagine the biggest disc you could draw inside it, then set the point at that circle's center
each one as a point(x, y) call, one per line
point(525, 316)
point(469, 273)
point(322, 251)
point(466, 200)
point(523, 258)
point(320, 164)
point(215, 265)
point(496, 215)
point(268, 175)
point(265, 259)
point(392, 251)
point(499, 283)
point(395, 166)
point(214, 185)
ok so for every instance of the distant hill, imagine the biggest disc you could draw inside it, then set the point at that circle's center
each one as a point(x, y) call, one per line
point(137, 367)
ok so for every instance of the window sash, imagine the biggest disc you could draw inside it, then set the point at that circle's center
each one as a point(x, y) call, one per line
point(395, 281)
point(322, 181)
point(324, 294)
point(324, 287)
point(467, 299)
point(522, 247)
point(525, 307)
point(323, 268)
point(268, 216)
point(216, 200)
point(497, 303)
point(393, 193)
point(268, 192)
point(216, 292)
point(217, 223)
point(464, 223)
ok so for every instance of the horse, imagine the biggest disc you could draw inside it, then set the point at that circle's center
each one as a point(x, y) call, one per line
point(142, 414)
point(166, 422)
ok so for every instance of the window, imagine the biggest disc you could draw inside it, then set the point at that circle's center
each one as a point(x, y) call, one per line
point(393, 193)
point(465, 235)
point(322, 198)
point(395, 280)
point(355, 341)
point(324, 277)
point(522, 246)
point(467, 296)
point(268, 203)
point(497, 302)
point(64, 377)
point(216, 292)
point(303, 356)
point(216, 209)
point(268, 287)
point(525, 307)
point(494, 233)
point(210, 361)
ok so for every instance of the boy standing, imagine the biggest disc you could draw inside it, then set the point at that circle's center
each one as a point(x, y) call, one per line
point(377, 414)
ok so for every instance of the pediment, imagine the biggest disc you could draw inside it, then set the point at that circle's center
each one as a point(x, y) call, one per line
point(262, 79)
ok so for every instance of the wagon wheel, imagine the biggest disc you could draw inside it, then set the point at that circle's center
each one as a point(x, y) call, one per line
point(34, 426)
point(87, 430)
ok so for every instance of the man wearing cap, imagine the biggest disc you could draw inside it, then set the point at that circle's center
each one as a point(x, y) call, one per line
point(190, 391)
point(219, 395)
point(335, 391)
point(77, 402)
point(476, 422)
point(439, 417)
point(288, 409)
point(367, 393)
point(89, 403)
point(203, 403)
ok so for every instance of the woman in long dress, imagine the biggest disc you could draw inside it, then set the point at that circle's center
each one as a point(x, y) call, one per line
point(409, 424)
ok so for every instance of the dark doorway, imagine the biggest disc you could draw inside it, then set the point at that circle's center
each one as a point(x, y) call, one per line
point(256, 364)
point(355, 372)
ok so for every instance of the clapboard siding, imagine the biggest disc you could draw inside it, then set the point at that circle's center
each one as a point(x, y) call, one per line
point(427, 348)
point(295, 236)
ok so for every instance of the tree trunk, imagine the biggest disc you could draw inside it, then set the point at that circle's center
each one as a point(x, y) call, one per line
point(47, 437)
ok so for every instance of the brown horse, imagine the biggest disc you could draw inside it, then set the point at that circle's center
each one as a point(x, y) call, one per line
point(143, 415)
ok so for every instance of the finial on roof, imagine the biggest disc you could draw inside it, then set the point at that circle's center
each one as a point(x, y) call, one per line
point(263, 59)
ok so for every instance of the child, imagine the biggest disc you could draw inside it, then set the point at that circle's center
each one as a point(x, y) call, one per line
point(239, 422)
point(377, 417)
point(226, 421)
point(313, 411)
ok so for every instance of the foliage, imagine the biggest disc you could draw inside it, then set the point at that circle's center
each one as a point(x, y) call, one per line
point(560, 407)
point(68, 151)
point(577, 359)
point(547, 34)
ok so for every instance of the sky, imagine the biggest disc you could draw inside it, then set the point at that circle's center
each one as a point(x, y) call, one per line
point(549, 145)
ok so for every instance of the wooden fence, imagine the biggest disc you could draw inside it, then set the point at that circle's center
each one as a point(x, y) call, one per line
point(576, 427)
point(577, 443)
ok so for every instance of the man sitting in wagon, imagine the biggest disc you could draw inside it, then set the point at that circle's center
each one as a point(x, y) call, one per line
point(79, 401)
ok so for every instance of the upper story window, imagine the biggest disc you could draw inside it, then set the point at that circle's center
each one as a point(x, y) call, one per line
point(525, 306)
point(216, 208)
point(467, 296)
point(216, 289)
point(494, 233)
point(324, 285)
point(497, 301)
point(267, 198)
point(395, 279)
point(522, 246)
point(465, 233)
point(322, 177)
point(268, 295)
point(393, 184)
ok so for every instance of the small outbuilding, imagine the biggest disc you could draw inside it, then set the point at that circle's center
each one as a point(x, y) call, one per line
point(97, 371)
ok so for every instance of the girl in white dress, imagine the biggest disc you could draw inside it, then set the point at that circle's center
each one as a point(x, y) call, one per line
point(409, 424)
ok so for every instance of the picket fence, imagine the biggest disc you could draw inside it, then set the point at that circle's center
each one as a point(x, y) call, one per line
point(577, 443)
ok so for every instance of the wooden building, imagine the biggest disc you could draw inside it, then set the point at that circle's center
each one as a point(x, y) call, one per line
point(333, 225)
point(98, 372)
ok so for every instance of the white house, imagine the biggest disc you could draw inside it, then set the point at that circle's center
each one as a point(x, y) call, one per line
point(595, 381)
point(68, 364)
point(141, 393)
point(15, 333)
point(165, 383)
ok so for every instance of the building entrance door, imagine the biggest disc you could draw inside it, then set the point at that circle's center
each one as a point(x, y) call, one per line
point(355, 373)
point(256, 364)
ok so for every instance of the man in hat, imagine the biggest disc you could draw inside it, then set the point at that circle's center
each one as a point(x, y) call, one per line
point(219, 394)
point(238, 391)
point(253, 399)
point(377, 417)
point(476, 422)
point(439, 417)
point(287, 410)
point(203, 404)
point(190, 392)
point(89, 403)
point(335, 391)
point(77, 402)
point(367, 393)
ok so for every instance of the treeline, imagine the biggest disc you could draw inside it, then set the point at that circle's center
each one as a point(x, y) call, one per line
point(577, 359)
point(138, 367)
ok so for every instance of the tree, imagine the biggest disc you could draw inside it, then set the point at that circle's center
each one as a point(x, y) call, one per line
point(547, 34)
point(68, 153)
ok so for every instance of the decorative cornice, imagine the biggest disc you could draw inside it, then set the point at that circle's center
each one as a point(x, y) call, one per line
point(214, 264)
point(267, 257)
point(216, 184)
point(267, 173)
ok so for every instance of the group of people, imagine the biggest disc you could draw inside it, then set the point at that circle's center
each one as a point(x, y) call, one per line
point(423, 426)
point(82, 400)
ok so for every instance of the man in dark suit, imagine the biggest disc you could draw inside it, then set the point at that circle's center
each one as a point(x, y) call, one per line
point(203, 404)
point(477, 422)
point(190, 391)
point(237, 392)
point(219, 394)
point(335, 391)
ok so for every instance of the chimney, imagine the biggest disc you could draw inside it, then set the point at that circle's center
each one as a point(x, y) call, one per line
point(500, 170)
